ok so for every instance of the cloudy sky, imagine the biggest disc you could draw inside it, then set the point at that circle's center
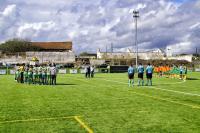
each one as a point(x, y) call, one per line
point(94, 24)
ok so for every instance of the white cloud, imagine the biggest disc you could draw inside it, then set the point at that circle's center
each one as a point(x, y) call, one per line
point(33, 29)
point(140, 6)
point(198, 4)
point(7, 17)
point(181, 47)
point(9, 10)
point(97, 23)
point(196, 25)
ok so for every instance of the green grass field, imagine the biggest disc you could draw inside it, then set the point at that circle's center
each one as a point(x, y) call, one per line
point(104, 104)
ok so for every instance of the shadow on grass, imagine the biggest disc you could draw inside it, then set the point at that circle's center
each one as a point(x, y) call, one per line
point(193, 79)
point(64, 84)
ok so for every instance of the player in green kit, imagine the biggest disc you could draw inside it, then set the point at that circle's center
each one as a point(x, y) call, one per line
point(30, 75)
point(26, 74)
point(40, 74)
point(22, 73)
point(44, 75)
point(140, 74)
point(149, 73)
point(35, 74)
point(17, 75)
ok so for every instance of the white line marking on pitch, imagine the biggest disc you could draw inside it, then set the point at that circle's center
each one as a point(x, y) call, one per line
point(180, 92)
point(185, 93)
point(193, 106)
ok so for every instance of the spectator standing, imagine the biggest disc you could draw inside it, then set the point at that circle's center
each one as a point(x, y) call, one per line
point(53, 71)
point(92, 71)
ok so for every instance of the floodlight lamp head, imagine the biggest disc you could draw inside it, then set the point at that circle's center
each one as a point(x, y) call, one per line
point(135, 13)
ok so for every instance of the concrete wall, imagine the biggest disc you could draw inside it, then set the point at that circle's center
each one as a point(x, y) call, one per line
point(103, 55)
point(56, 57)
point(183, 57)
point(144, 56)
point(96, 62)
point(14, 59)
point(129, 55)
point(151, 56)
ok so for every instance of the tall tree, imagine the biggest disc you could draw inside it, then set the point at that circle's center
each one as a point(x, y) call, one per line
point(17, 45)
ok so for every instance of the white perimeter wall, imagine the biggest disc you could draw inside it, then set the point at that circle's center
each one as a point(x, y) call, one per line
point(56, 57)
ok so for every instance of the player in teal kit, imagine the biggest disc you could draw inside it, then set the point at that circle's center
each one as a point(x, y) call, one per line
point(140, 74)
point(149, 73)
point(131, 75)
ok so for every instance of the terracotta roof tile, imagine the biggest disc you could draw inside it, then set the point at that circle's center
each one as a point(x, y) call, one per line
point(53, 45)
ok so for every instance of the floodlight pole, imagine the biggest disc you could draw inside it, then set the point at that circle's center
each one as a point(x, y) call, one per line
point(136, 16)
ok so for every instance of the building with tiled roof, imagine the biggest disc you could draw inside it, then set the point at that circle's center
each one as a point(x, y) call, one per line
point(56, 52)
point(53, 46)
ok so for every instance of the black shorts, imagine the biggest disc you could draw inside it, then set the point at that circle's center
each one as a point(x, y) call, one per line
point(181, 72)
point(131, 76)
point(140, 75)
point(149, 75)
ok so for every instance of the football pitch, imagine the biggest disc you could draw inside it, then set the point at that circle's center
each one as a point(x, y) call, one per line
point(103, 104)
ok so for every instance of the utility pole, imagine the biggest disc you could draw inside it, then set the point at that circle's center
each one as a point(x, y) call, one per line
point(111, 47)
point(196, 52)
point(136, 16)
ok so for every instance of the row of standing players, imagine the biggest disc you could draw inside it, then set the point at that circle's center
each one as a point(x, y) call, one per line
point(140, 70)
point(38, 74)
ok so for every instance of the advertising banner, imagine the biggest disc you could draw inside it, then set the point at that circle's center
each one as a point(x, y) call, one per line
point(12, 71)
point(73, 71)
point(2, 72)
point(62, 71)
